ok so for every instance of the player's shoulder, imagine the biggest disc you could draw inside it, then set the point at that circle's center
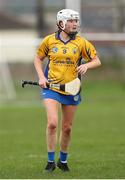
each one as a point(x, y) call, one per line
point(80, 38)
point(49, 37)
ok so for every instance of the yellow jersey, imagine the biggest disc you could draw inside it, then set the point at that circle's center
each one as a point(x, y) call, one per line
point(64, 57)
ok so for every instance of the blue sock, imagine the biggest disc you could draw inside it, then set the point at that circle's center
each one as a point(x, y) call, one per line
point(51, 156)
point(63, 157)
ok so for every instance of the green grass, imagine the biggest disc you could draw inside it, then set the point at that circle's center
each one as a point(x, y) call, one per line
point(98, 137)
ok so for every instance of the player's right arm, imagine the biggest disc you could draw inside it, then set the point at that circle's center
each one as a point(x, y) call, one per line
point(41, 53)
point(39, 69)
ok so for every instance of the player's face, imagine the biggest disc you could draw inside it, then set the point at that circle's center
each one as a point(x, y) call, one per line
point(72, 25)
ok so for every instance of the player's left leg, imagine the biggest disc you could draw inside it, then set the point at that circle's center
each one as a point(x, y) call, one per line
point(68, 112)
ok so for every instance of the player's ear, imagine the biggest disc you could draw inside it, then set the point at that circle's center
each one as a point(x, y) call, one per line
point(61, 24)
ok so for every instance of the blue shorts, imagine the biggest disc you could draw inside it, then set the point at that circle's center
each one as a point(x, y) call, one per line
point(61, 98)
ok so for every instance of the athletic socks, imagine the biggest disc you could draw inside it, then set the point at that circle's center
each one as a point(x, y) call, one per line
point(63, 157)
point(51, 156)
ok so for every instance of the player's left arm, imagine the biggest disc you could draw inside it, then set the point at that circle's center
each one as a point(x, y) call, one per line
point(90, 56)
point(95, 62)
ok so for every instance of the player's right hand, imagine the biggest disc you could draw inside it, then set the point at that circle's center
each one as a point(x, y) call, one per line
point(42, 82)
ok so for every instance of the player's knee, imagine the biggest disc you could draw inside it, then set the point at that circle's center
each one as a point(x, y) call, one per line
point(52, 126)
point(52, 122)
point(67, 130)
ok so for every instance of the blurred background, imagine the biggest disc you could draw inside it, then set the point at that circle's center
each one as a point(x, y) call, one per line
point(24, 23)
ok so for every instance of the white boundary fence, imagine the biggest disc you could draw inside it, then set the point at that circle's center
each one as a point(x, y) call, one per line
point(105, 36)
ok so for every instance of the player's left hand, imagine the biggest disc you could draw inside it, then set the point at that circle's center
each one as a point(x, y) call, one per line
point(82, 69)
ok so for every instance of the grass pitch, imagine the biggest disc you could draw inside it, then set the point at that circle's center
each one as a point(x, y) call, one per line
point(98, 138)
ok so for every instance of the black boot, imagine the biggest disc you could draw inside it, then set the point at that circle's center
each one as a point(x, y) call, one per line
point(50, 166)
point(63, 166)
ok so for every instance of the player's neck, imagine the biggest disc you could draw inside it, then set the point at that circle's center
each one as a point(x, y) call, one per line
point(64, 37)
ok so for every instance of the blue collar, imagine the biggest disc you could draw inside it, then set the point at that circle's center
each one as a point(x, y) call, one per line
point(57, 35)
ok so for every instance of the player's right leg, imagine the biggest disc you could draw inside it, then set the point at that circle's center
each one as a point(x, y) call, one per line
point(51, 107)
